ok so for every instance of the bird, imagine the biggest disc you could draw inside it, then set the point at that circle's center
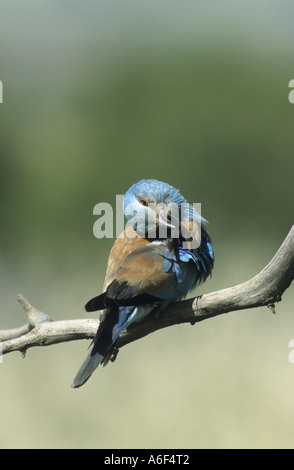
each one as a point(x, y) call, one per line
point(163, 253)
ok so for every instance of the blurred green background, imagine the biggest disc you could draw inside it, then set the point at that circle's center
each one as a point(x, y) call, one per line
point(97, 95)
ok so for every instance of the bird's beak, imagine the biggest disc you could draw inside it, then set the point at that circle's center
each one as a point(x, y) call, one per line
point(163, 220)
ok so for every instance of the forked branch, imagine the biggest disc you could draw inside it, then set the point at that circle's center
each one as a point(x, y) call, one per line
point(264, 289)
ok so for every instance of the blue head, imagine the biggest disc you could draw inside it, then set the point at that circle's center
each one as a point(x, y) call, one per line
point(154, 207)
point(145, 205)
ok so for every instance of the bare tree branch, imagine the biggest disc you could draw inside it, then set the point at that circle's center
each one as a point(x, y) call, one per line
point(265, 289)
point(35, 317)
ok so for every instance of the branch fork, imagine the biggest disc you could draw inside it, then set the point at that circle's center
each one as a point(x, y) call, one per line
point(264, 289)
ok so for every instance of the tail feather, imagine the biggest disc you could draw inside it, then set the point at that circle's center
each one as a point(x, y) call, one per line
point(91, 363)
point(112, 322)
point(102, 345)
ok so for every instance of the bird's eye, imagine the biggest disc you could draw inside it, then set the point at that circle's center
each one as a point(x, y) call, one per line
point(143, 202)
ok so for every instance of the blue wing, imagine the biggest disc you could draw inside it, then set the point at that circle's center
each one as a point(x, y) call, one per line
point(158, 271)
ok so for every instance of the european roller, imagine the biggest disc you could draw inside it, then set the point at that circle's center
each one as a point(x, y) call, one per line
point(163, 253)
